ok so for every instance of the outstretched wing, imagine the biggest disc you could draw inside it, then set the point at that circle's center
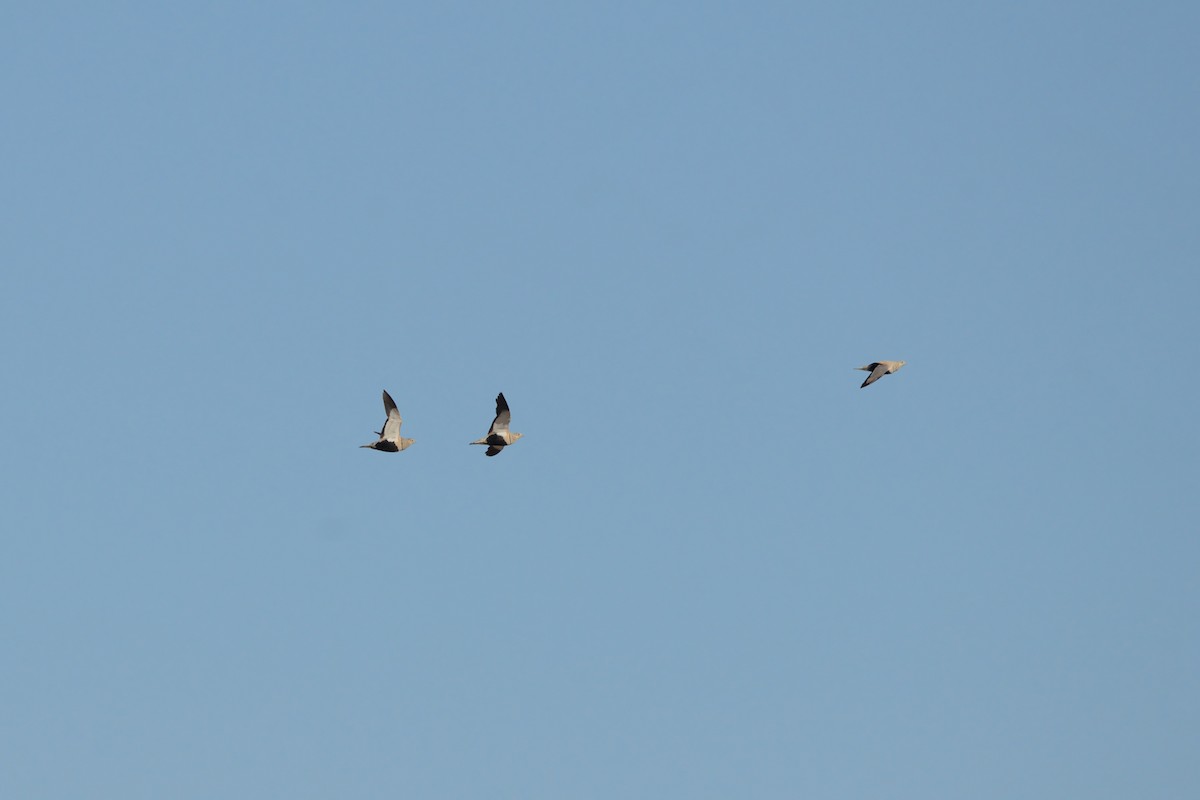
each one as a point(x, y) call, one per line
point(391, 427)
point(877, 372)
point(503, 415)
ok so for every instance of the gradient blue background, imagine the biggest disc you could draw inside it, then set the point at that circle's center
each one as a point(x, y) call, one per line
point(668, 232)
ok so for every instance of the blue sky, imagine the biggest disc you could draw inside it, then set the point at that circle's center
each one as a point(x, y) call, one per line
point(713, 567)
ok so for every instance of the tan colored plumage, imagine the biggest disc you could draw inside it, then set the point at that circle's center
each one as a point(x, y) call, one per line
point(499, 435)
point(878, 369)
point(390, 440)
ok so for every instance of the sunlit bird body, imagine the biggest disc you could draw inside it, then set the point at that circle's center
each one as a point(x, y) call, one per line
point(390, 440)
point(878, 369)
point(499, 435)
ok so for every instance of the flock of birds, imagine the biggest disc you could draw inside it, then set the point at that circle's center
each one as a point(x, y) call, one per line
point(390, 441)
point(499, 436)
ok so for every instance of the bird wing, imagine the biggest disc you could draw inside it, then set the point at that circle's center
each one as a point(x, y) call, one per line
point(503, 415)
point(877, 372)
point(391, 427)
point(492, 450)
point(389, 405)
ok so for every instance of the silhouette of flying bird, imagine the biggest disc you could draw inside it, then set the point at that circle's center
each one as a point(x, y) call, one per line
point(499, 436)
point(390, 440)
point(878, 369)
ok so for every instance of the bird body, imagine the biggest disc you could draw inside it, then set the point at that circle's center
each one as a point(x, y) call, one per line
point(878, 369)
point(390, 440)
point(499, 436)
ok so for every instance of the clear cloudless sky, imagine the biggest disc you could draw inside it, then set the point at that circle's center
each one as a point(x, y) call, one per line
point(668, 232)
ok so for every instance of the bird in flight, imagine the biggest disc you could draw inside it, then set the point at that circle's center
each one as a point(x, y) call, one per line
point(390, 440)
point(878, 369)
point(499, 436)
